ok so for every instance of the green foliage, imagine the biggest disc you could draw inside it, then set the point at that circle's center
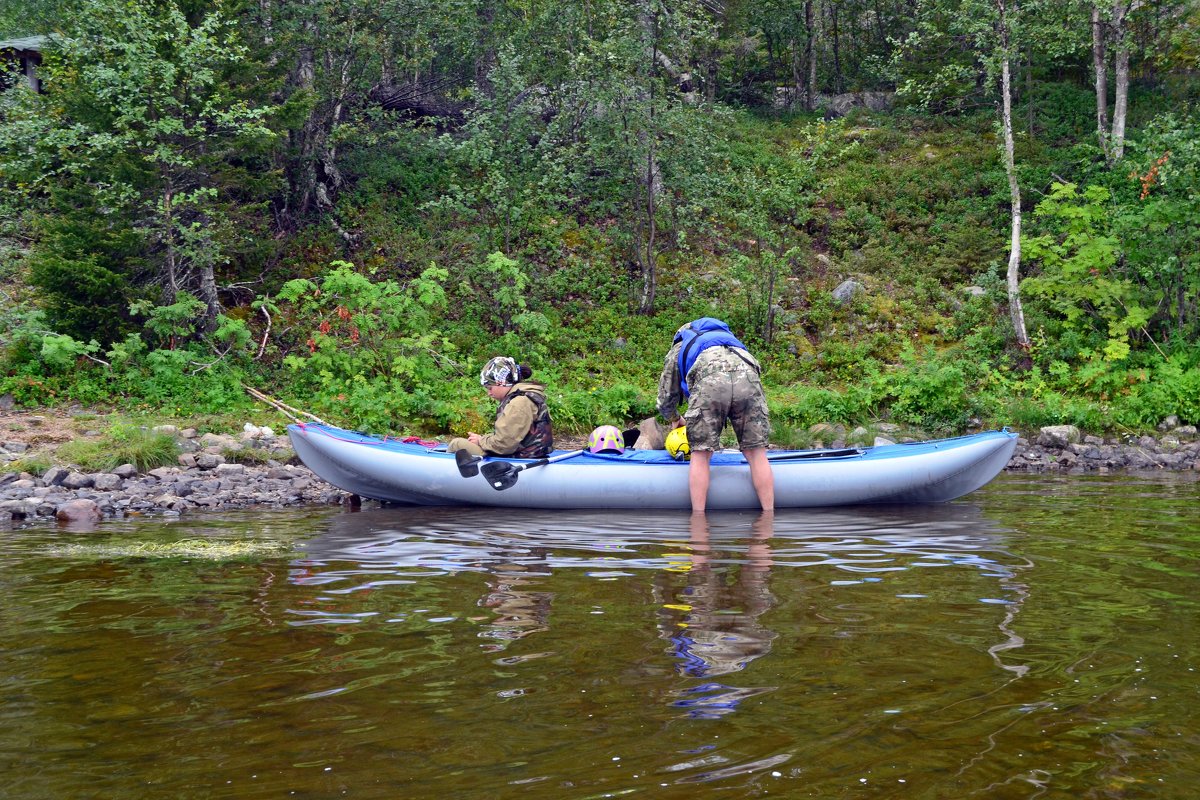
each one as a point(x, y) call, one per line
point(929, 392)
point(123, 444)
point(374, 352)
point(175, 176)
point(1080, 276)
point(129, 148)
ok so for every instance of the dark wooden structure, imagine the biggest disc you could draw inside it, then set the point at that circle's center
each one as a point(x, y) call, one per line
point(24, 54)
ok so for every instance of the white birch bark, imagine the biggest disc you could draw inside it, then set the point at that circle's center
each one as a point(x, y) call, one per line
point(1014, 254)
point(1121, 79)
point(1100, 65)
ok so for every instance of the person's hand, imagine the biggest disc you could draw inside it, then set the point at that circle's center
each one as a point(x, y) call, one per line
point(678, 423)
point(473, 438)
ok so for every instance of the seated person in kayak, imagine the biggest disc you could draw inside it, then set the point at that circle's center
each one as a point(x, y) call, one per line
point(523, 427)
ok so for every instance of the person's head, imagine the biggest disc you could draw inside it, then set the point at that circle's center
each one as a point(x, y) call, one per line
point(501, 374)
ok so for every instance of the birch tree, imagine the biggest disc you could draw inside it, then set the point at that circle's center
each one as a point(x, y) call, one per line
point(987, 34)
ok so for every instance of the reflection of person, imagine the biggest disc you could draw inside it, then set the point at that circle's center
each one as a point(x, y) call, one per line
point(519, 612)
point(523, 428)
point(720, 632)
point(714, 372)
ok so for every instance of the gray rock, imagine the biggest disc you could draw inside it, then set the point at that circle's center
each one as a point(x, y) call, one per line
point(77, 480)
point(187, 460)
point(1058, 436)
point(882, 440)
point(230, 469)
point(207, 461)
point(1168, 423)
point(125, 471)
point(54, 476)
point(21, 508)
point(219, 442)
point(164, 473)
point(7, 402)
point(846, 290)
point(15, 447)
point(107, 482)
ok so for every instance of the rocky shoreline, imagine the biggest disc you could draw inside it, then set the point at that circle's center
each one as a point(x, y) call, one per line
point(212, 474)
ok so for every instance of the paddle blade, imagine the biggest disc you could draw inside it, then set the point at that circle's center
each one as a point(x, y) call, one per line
point(500, 474)
point(468, 463)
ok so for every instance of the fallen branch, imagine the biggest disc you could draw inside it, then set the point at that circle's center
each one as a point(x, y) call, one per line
point(282, 407)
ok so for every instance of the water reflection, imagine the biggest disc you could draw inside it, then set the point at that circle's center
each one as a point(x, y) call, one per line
point(519, 609)
point(1036, 644)
point(713, 623)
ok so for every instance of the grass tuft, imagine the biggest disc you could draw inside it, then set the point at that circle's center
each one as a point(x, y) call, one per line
point(125, 444)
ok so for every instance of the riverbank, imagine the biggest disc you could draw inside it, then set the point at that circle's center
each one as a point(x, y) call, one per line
point(256, 467)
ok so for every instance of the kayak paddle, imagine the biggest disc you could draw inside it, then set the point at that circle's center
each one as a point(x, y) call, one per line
point(468, 463)
point(502, 474)
point(849, 451)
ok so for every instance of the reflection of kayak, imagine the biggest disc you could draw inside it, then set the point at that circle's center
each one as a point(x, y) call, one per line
point(395, 471)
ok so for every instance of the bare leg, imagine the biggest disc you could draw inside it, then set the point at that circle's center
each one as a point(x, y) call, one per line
point(760, 475)
point(698, 479)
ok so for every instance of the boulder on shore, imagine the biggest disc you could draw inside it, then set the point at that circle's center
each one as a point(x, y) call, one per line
point(78, 512)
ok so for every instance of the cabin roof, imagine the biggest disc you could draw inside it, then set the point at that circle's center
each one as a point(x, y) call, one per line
point(25, 43)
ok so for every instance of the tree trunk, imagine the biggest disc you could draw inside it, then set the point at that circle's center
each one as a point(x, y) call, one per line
point(485, 48)
point(208, 293)
point(1121, 77)
point(797, 74)
point(1014, 255)
point(838, 82)
point(810, 99)
point(171, 279)
point(1100, 65)
point(651, 176)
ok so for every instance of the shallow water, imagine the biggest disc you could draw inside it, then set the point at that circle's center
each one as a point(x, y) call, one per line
point(1036, 639)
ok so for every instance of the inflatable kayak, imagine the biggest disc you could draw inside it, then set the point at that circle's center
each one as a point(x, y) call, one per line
point(415, 473)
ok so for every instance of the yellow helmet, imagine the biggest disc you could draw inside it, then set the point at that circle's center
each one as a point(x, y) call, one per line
point(677, 444)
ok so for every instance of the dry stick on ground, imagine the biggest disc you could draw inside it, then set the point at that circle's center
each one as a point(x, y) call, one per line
point(282, 407)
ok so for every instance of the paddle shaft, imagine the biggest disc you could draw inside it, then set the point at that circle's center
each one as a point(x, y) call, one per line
point(501, 474)
point(818, 454)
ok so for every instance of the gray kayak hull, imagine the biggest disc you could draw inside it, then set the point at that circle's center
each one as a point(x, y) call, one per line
point(393, 471)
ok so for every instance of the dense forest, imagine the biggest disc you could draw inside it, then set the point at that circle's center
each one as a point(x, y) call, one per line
point(941, 213)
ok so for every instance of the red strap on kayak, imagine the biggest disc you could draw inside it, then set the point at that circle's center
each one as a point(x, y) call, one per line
point(418, 440)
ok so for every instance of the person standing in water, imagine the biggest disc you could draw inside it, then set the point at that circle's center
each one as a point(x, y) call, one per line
point(712, 371)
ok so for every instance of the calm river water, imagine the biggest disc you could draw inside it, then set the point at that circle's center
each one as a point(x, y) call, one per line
point(1036, 639)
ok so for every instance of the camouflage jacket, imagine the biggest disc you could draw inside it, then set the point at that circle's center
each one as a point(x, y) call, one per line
point(523, 428)
point(711, 361)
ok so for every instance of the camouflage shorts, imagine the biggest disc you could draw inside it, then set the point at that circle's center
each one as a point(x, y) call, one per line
point(735, 395)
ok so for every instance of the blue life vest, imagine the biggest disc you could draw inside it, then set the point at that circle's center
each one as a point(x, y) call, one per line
point(697, 337)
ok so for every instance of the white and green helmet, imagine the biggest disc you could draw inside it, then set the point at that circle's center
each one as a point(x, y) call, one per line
point(500, 370)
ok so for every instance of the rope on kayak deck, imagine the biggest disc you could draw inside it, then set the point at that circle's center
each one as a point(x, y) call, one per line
point(283, 408)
